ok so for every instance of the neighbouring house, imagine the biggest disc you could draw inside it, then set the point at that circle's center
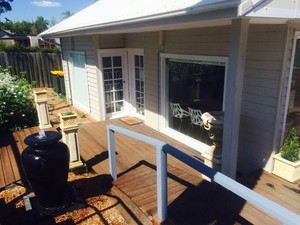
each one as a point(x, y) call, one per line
point(9, 38)
point(26, 40)
point(135, 57)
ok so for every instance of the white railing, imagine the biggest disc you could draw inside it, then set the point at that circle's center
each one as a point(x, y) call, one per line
point(162, 149)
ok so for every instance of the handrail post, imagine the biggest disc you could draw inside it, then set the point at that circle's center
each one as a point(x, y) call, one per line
point(162, 185)
point(111, 153)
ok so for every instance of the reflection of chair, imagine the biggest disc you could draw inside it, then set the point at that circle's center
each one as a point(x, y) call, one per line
point(196, 119)
point(178, 112)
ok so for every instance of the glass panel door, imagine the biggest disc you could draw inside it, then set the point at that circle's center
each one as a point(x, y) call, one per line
point(139, 84)
point(115, 88)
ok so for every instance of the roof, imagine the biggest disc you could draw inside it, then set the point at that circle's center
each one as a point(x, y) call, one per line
point(4, 34)
point(120, 16)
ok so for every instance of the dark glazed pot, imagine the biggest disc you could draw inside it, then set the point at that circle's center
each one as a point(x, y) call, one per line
point(46, 164)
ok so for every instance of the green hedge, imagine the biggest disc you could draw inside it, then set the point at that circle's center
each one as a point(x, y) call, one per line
point(4, 47)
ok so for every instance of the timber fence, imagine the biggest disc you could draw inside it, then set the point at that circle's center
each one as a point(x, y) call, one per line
point(37, 66)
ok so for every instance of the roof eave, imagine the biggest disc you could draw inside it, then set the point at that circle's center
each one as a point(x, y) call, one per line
point(208, 10)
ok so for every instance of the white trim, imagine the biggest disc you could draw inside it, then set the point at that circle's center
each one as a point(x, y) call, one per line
point(163, 123)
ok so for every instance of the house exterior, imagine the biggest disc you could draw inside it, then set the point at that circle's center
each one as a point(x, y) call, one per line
point(136, 57)
point(9, 38)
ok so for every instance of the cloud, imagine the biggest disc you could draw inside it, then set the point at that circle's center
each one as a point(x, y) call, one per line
point(46, 4)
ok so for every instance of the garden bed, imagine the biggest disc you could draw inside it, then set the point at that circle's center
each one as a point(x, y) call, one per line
point(57, 103)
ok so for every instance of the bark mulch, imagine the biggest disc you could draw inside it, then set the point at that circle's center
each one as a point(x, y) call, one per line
point(96, 205)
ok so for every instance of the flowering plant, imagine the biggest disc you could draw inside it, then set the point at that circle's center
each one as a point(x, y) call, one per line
point(17, 110)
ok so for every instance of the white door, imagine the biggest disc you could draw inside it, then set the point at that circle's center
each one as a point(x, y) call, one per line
point(79, 84)
point(123, 82)
point(115, 84)
point(137, 82)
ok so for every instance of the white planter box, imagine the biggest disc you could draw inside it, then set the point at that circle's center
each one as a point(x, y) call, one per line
point(68, 121)
point(285, 169)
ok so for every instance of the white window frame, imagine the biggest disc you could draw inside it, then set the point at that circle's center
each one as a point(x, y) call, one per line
point(164, 89)
point(289, 85)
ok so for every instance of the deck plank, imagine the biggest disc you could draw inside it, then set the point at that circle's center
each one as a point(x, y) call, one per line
point(191, 199)
point(139, 181)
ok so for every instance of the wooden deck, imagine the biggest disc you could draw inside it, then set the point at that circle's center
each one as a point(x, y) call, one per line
point(192, 200)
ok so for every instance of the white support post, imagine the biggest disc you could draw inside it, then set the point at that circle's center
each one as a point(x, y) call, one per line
point(162, 183)
point(111, 153)
point(69, 128)
point(233, 100)
point(40, 98)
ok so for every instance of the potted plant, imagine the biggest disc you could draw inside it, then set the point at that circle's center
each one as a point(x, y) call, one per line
point(68, 119)
point(287, 161)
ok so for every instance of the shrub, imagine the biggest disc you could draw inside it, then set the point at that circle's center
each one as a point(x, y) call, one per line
point(17, 110)
point(290, 149)
point(4, 47)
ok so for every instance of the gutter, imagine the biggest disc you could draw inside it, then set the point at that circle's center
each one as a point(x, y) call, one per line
point(188, 11)
point(246, 6)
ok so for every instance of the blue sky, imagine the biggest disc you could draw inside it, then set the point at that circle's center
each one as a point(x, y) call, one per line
point(30, 9)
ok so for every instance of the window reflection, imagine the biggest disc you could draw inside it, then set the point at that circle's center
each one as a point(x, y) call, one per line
point(197, 85)
point(293, 117)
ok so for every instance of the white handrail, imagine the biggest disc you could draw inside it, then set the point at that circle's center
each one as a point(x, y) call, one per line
point(162, 149)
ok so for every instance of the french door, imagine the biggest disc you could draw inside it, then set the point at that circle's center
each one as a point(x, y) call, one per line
point(123, 83)
point(115, 84)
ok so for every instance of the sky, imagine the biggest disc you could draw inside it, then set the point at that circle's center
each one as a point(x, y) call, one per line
point(29, 10)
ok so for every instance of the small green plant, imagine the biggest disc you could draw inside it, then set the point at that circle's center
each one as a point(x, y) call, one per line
point(68, 113)
point(290, 149)
point(17, 109)
point(81, 114)
point(63, 97)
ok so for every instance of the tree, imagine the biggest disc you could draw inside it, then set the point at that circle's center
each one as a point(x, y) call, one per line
point(5, 6)
point(22, 27)
point(39, 25)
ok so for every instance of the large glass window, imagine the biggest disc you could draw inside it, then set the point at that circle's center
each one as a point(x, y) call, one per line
point(293, 117)
point(193, 88)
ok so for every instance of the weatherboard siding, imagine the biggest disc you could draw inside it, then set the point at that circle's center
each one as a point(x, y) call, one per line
point(263, 72)
point(112, 41)
point(212, 41)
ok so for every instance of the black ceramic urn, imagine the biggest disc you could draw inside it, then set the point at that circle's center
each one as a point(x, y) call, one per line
point(46, 164)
